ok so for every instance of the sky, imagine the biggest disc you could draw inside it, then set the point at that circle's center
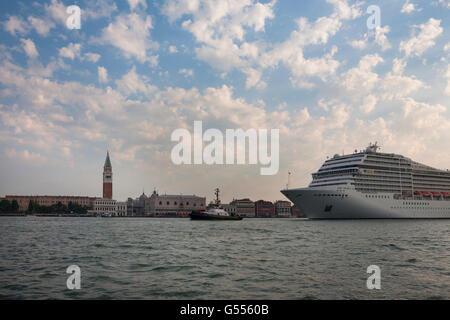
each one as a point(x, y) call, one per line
point(137, 70)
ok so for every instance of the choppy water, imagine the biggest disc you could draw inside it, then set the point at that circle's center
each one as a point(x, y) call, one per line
point(132, 258)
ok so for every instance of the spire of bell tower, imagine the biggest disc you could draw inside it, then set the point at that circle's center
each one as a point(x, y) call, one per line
point(107, 161)
point(107, 178)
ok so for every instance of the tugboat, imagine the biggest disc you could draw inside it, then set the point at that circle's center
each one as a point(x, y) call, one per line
point(214, 212)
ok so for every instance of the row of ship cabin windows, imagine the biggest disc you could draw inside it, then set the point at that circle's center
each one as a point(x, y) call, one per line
point(377, 196)
point(419, 208)
point(330, 195)
point(415, 203)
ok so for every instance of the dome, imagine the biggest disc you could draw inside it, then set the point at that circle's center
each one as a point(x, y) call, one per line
point(143, 197)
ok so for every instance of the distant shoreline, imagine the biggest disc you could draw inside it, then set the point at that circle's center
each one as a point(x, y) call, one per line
point(68, 215)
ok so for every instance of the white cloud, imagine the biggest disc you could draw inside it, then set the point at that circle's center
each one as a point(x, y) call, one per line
point(135, 3)
point(369, 103)
point(290, 52)
point(57, 10)
point(173, 49)
point(186, 72)
point(254, 79)
point(33, 158)
point(362, 78)
point(381, 39)
point(409, 7)
point(102, 75)
point(422, 116)
point(132, 83)
point(131, 34)
point(395, 85)
point(220, 27)
point(445, 3)
point(15, 25)
point(29, 48)
point(42, 27)
point(92, 57)
point(72, 51)
point(99, 9)
point(359, 44)
point(421, 42)
point(447, 77)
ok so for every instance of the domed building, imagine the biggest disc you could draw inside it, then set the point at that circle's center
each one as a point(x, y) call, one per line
point(139, 206)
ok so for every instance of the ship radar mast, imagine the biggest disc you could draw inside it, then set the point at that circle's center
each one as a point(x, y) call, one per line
point(216, 192)
point(373, 147)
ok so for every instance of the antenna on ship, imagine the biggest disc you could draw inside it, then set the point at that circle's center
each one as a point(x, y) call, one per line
point(216, 192)
point(288, 181)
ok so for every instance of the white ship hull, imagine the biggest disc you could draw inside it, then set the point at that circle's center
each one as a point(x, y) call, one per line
point(320, 203)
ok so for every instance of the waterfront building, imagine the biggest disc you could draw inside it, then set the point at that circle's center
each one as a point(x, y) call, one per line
point(24, 201)
point(165, 205)
point(122, 208)
point(107, 178)
point(83, 201)
point(282, 209)
point(139, 206)
point(175, 205)
point(264, 209)
point(231, 209)
point(244, 207)
point(105, 206)
point(295, 212)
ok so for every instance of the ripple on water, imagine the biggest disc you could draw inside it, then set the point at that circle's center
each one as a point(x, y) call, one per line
point(260, 258)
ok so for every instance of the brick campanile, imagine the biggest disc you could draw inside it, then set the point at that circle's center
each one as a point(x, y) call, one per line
point(107, 178)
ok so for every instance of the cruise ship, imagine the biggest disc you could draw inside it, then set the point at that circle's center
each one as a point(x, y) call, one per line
point(373, 185)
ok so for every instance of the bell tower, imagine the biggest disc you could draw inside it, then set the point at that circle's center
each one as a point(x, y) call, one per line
point(107, 178)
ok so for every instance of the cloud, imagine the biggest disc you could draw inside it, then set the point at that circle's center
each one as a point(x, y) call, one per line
point(186, 72)
point(30, 48)
point(131, 34)
point(15, 25)
point(102, 75)
point(362, 78)
point(92, 57)
point(359, 44)
point(424, 40)
point(445, 3)
point(409, 7)
point(220, 28)
point(135, 3)
point(369, 103)
point(41, 26)
point(381, 39)
point(254, 79)
point(395, 85)
point(33, 158)
point(100, 8)
point(447, 77)
point(72, 51)
point(173, 49)
point(132, 83)
point(57, 11)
